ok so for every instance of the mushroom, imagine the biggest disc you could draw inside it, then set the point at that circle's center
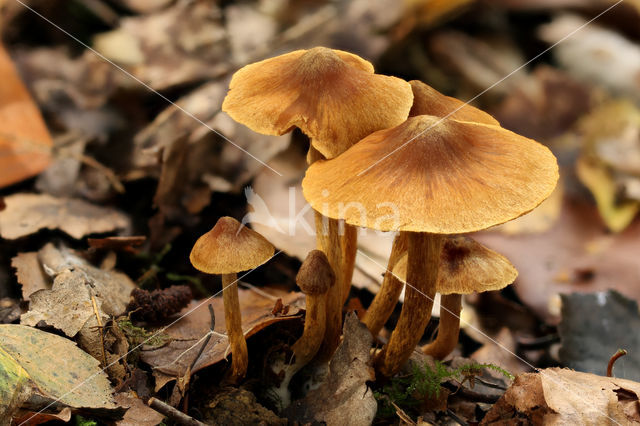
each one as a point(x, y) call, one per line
point(228, 248)
point(436, 176)
point(466, 266)
point(315, 277)
point(335, 98)
point(426, 101)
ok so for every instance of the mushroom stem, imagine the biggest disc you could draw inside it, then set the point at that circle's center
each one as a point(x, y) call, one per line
point(308, 344)
point(447, 339)
point(240, 354)
point(328, 241)
point(422, 273)
point(386, 299)
point(349, 243)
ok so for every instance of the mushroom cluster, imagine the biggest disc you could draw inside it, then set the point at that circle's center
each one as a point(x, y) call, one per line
point(335, 99)
point(441, 176)
point(439, 166)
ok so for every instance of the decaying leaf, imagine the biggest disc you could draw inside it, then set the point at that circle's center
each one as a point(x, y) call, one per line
point(576, 255)
point(162, 52)
point(238, 406)
point(596, 176)
point(138, 413)
point(595, 54)
point(545, 105)
point(565, 397)
point(25, 143)
point(593, 327)
point(344, 398)
point(35, 358)
point(172, 360)
point(30, 273)
point(26, 214)
point(67, 305)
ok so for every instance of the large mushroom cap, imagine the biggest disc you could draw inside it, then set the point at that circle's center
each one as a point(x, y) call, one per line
point(332, 96)
point(467, 266)
point(433, 175)
point(230, 247)
point(428, 101)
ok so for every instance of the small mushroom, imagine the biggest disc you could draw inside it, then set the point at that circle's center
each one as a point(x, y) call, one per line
point(314, 278)
point(228, 248)
point(436, 176)
point(335, 98)
point(466, 266)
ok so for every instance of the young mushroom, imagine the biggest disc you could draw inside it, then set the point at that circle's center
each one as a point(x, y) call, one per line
point(228, 248)
point(315, 277)
point(335, 98)
point(466, 266)
point(436, 176)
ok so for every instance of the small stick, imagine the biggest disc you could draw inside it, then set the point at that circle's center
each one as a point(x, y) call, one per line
point(193, 363)
point(100, 327)
point(173, 413)
point(613, 359)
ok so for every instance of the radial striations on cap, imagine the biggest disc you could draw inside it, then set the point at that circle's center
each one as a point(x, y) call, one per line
point(433, 175)
point(230, 247)
point(467, 266)
point(332, 96)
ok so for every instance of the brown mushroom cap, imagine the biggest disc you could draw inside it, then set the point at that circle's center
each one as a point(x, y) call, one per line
point(433, 175)
point(332, 96)
point(315, 276)
point(467, 266)
point(428, 101)
point(224, 250)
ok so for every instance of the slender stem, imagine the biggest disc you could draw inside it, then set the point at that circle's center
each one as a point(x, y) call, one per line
point(386, 299)
point(422, 274)
point(349, 243)
point(240, 354)
point(613, 359)
point(447, 339)
point(308, 344)
point(329, 242)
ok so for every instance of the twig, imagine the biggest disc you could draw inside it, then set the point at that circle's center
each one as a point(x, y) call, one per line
point(456, 418)
point(173, 413)
point(100, 327)
point(613, 359)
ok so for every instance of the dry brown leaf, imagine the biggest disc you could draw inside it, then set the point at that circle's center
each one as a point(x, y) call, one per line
point(68, 306)
point(344, 398)
point(172, 360)
point(595, 54)
point(163, 52)
point(26, 214)
point(544, 105)
point(566, 397)
point(576, 254)
point(25, 143)
point(138, 413)
point(30, 273)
